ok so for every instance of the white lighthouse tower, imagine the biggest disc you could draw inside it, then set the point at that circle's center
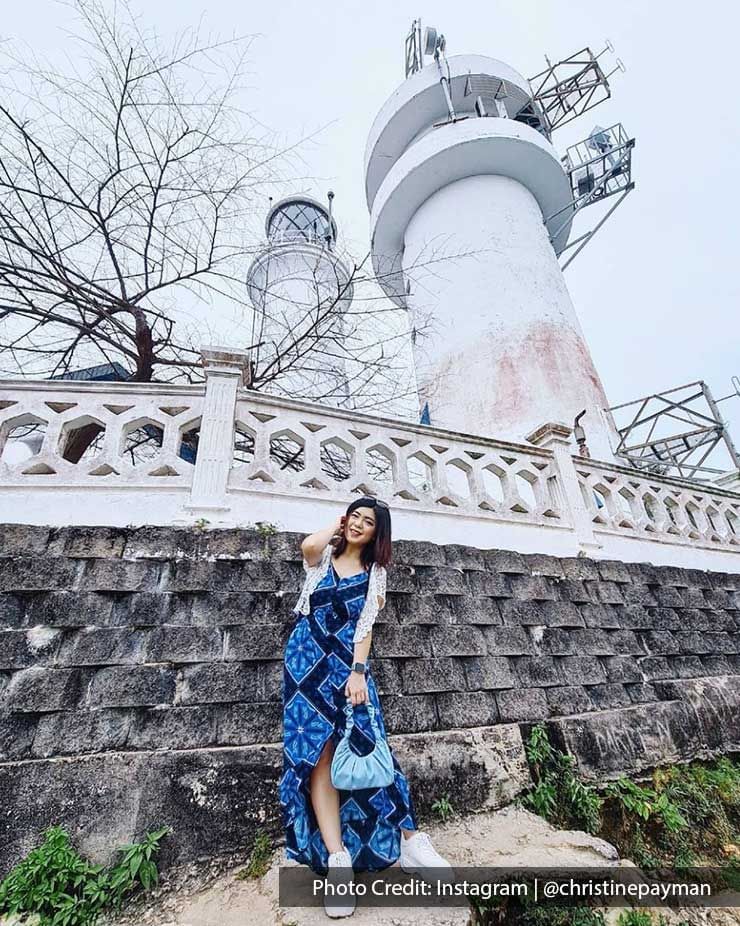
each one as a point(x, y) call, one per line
point(300, 289)
point(470, 207)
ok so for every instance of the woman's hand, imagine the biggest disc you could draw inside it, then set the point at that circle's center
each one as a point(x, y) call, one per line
point(338, 529)
point(356, 689)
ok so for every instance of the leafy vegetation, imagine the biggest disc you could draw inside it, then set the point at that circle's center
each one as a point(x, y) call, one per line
point(259, 858)
point(64, 889)
point(443, 808)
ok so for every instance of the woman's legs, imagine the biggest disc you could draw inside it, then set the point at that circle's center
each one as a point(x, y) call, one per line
point(325, 800)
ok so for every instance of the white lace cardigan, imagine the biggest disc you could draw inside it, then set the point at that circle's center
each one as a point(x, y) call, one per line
point(374, 601)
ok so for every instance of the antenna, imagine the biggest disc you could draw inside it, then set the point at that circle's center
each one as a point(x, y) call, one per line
point(572, 86)
point(413, 53)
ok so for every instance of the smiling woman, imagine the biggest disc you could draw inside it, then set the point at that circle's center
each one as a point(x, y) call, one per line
point(326, 669)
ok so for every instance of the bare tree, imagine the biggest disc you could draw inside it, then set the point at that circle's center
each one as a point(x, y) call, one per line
point(131, 186)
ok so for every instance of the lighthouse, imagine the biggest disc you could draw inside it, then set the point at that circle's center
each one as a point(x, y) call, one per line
point(471, 206)
point(301, 289)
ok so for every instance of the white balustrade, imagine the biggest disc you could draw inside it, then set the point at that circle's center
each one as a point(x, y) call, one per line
point(151, 453)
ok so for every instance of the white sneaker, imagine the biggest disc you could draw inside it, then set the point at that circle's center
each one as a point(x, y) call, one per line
point(340, 872)
point(418, 853)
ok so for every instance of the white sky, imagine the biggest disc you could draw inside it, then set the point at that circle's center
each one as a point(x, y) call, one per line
point(657, 289)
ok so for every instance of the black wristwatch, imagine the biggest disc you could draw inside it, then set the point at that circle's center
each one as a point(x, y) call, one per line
point(359, 667)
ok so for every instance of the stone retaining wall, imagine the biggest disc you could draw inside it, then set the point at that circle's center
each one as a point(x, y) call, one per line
point(140, 676)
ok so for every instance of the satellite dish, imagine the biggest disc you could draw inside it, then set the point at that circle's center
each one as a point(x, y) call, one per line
point(430, 40)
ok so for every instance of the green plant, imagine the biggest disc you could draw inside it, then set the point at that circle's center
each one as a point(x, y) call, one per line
point(646, 803)
point(266, 528)
point(259, 858)
point(443, 808)
point(200, 524)
point(635, 918)
point(558, 794)
point(54, 881)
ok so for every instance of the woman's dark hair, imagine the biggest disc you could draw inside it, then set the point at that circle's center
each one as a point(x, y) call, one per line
point(379, 549)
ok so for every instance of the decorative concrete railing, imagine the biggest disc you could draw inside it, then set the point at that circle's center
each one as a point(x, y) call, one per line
point(126, 453)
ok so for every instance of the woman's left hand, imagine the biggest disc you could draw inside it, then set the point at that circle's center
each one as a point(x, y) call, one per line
point(356, 689)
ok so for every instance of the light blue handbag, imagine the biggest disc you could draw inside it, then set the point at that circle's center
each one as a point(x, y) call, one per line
point(349, 771)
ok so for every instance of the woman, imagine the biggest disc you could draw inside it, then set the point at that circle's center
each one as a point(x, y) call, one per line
point(326, 662)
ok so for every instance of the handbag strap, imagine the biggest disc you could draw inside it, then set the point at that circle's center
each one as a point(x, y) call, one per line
point(348, 710)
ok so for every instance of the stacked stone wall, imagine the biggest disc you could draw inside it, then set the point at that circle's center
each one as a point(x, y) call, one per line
point(141, 670)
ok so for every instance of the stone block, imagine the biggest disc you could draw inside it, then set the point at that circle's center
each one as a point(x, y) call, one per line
point(540, 564)
point(184, 644)
point(568, 699)
point(440, 580)
point(402, 579)
point(38, 689)
point(269, 679)
point(23, 539)
point(410, 713)
point(654, 668)
point(606, 592)
point(604, 616)
point(718, 598)
point(519, 704)
point(36, 573)
point(174, 727)
point(70, 609)
point(387, 675)
point(466, 709)
point(693, 642)
point(218, 682)
point(462, 557)
point(659, 642)
point(12, 610)
point(457, 641)
point(410, 640)
point(20, 649)
point(247, 724)
point(488, 673)
point(715, 704)
point(507, 641)
point(81, 542)
point(224, 609)
point(476, 610)
point(628, 740)
point(686, 667)
point(558, 642)
point(428, 675)
point(579, 567)
point(641, 692)
point(118, 575)
point(495, 584)
point(605, 697)
point(260, 642)
point(574, 590)
point(638, 594)
point(561, 614)
point(69, 733)
point(505, 561)
point(716, 665)
point(625, 643)
point(482, 768)
point(16, 735)
point(613, 570)
point(622, 669)
point(102, 647)
point(418, 553)
point(593, 642)
point(132, 686)
point(582, 670)
point(538, 671)
point(694, 597)
point(515, 613)
point(151, 609)
point(668, 597)
point(534, 588)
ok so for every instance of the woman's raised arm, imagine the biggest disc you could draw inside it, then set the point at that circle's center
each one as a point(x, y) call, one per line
point(313, 545)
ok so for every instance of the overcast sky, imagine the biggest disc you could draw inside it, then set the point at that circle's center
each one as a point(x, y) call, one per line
point(657, 289)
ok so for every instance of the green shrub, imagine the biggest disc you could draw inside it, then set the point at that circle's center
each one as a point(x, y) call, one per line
point(558, 794)
point(54, 881)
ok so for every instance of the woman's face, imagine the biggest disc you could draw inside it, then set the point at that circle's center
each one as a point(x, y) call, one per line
point(359, 528)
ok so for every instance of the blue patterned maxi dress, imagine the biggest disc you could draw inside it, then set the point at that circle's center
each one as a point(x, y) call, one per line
point(318, 660)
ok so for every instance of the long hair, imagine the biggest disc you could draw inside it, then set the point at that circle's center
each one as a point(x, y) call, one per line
point(378, 550)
